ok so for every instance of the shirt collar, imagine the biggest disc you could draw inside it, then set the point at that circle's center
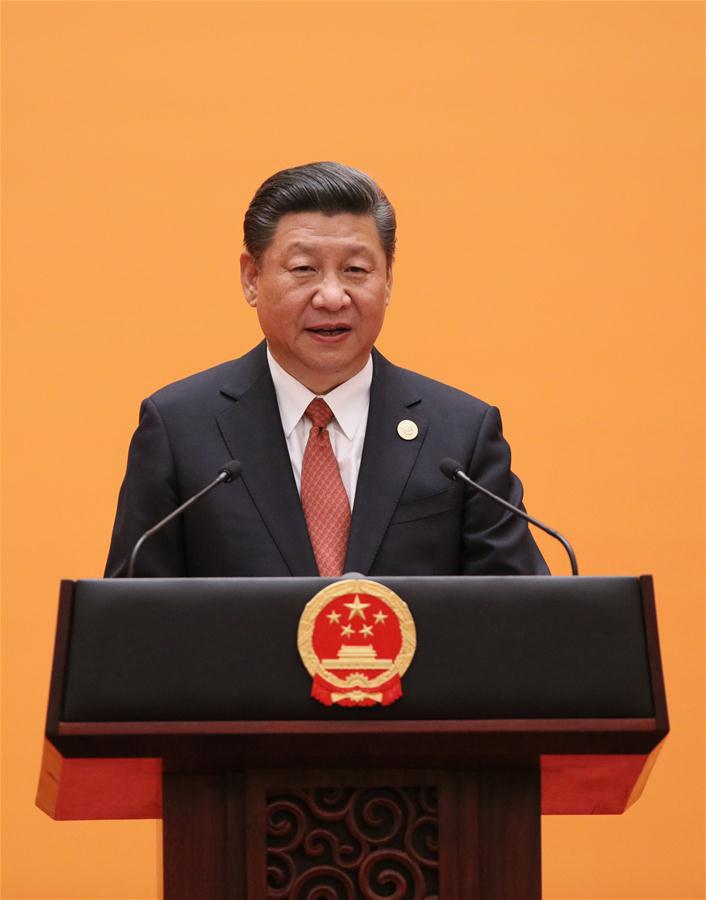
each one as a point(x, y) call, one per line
point(348, 402)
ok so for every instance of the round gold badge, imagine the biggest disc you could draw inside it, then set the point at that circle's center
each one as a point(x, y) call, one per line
point(407, 430)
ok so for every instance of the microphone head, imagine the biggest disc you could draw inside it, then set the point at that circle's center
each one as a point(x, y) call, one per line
point(231, 470)
point(450, 468)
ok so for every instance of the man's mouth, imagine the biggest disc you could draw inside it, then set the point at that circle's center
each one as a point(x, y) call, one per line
point(330, 330)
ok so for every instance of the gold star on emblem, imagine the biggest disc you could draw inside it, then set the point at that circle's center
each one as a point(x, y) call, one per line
point(346, 631)
point(356, 608)
point(366, 630)
point(333, 617)
point(380, 617)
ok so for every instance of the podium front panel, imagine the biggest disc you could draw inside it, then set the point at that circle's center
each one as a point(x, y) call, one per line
point(166, 650)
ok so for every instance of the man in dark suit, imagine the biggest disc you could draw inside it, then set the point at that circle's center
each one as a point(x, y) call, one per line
point(360, 490)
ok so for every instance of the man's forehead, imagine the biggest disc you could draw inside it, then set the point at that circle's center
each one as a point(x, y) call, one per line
point(350, 246)
point(311, 230)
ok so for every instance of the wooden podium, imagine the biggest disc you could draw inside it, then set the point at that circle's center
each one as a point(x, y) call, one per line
point(186, 699)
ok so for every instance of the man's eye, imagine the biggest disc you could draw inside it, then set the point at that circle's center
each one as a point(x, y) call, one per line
point(356, 270)
point(302, 269)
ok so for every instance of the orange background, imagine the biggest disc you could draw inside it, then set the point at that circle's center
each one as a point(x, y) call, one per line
point(546, 162)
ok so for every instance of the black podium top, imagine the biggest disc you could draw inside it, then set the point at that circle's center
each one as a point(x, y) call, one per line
point(226, 649)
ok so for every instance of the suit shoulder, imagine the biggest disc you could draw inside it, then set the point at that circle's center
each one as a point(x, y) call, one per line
point(429, 390)
point(207, 387)
point(194, 383)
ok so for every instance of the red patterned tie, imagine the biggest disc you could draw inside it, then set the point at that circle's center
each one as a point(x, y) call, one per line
point(324, 499)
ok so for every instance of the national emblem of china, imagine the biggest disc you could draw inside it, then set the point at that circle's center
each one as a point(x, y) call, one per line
point(356, 639)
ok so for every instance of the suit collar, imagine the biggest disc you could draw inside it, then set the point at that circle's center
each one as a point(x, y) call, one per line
point(387, 460)
point(394, 379)
point(252, 430)
point(245, 372)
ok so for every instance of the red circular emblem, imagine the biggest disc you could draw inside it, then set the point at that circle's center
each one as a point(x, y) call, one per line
point(356, 639)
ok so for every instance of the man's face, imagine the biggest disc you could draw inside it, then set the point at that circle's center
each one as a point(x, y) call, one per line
point(320, 289)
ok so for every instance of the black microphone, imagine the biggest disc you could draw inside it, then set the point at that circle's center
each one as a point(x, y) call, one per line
point(453, 470)
point(228, 472)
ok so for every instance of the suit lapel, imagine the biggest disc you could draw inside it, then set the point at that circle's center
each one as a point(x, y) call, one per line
point(252, 430)
point(386, 464)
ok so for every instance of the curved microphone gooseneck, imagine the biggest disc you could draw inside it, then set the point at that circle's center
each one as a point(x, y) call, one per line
point(454, 470)
point(228, 472)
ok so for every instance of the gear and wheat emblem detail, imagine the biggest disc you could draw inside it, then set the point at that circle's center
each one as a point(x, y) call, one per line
point(356, 639)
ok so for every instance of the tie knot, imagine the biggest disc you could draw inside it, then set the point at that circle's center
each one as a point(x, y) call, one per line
point(319, 412)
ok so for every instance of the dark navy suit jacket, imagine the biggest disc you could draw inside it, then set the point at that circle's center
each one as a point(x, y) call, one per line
point(407, 519)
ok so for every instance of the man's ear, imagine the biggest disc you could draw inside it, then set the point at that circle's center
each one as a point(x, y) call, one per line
point(388, 285)
point(249, 273)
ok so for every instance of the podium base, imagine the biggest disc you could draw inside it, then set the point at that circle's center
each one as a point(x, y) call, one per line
point(352, 834)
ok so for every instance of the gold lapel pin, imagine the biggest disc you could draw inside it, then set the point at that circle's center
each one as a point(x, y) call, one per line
point(407, 430)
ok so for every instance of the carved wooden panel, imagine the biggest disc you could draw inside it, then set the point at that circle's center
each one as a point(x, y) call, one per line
point(405, 835)
point(345, 843)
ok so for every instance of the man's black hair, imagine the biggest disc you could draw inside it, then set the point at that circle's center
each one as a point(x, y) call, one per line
point(327, 187)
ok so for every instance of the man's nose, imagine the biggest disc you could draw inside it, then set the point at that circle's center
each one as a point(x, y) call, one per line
point(331, 294)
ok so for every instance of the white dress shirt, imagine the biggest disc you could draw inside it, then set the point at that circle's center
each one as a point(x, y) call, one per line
point(349, 403)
